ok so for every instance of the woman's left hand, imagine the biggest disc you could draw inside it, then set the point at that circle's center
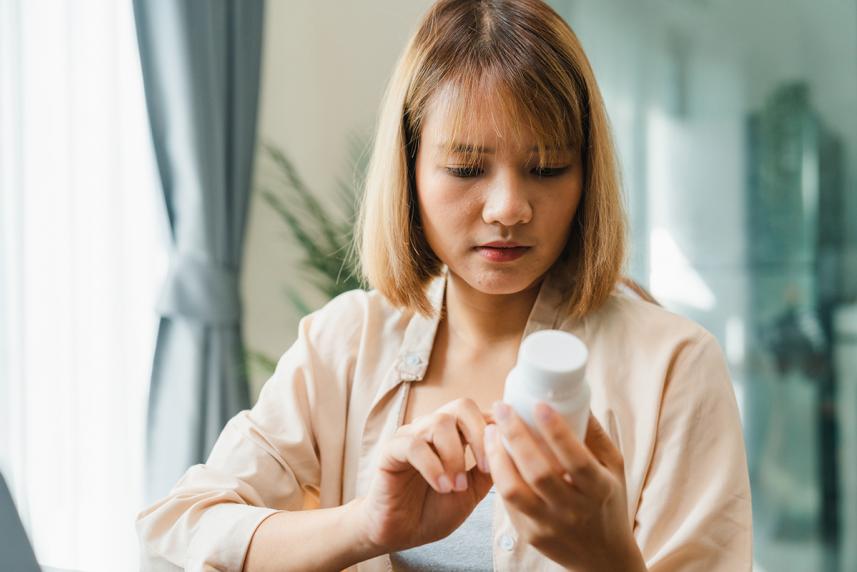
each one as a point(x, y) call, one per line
point(565, 498)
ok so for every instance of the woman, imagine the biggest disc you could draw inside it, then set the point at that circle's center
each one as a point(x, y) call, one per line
point(492, 209)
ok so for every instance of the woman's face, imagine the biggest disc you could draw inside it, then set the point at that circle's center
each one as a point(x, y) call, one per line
point(501, 224)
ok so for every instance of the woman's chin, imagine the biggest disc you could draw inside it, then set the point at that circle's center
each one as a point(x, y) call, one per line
point(500, 281)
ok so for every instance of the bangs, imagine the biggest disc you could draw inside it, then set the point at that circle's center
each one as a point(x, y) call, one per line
point(518, 107)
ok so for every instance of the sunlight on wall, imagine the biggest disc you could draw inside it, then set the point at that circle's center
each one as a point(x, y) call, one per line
point(673, 280)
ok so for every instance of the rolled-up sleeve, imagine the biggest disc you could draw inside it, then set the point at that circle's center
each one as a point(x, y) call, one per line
point(266, 460)
point(695, 511)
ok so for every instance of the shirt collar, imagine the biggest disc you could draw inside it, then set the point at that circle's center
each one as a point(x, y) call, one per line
point(419, 335)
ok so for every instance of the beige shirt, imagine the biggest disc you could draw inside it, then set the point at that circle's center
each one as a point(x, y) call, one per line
point(660, 387)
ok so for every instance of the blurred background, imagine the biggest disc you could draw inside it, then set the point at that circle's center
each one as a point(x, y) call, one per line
point(177, 180)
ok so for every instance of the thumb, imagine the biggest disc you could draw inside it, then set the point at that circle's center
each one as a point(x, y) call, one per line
point(599, 443)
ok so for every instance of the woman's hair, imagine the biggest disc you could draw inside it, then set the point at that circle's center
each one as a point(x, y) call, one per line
point(528, 59)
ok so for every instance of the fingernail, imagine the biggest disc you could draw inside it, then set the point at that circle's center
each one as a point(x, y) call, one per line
point(501, 411)
point(543, 411)
point(490, 432)
point(444, 484)
point(483, 464)
point(461, 482)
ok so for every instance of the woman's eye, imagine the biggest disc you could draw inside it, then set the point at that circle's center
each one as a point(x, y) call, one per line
point(464, 172)
point(549, 171)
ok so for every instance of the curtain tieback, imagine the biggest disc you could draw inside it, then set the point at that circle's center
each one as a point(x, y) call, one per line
point(200, 290)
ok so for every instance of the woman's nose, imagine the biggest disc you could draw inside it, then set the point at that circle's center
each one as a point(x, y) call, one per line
point(507, 203)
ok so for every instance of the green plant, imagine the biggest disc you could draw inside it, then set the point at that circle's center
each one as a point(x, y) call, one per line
point(323, 234)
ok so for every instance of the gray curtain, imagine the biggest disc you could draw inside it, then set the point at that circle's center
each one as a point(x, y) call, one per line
point(200, 61)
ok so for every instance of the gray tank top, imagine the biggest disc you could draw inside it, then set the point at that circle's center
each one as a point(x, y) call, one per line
point(468, 548)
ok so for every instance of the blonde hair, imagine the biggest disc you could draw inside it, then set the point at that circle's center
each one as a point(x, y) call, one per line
point(523, 52)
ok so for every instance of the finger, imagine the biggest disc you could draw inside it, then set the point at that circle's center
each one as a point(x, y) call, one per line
point(599, 442)
point(521, 438)
point(411, 451)
point(448, 441)
point(471, 423)
point(534, 461)
point(585, 470)
point(507, 479)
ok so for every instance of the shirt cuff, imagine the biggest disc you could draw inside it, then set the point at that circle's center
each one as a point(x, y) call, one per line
point(223, 536)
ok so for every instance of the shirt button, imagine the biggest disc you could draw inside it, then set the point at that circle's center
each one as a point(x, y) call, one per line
point(507, 542)
point(413, 360)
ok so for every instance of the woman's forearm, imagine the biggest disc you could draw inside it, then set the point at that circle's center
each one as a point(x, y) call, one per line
point(321, 539)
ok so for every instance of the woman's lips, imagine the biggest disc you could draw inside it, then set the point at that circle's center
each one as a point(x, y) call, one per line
point(502, 254)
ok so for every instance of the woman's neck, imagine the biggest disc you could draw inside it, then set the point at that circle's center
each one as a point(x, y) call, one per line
point(477, 320)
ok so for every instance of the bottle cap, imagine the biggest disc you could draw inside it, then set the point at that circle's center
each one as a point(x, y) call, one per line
point(553, 363)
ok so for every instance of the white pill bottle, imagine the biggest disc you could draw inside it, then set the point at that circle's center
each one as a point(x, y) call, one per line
point(551, 366)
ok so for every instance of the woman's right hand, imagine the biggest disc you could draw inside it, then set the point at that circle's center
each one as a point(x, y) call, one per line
point(416, 496)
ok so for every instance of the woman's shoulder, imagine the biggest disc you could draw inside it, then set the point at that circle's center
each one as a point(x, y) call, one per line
point(352, 316)
point(357, 305)
point(628, 316)
point(639, 349)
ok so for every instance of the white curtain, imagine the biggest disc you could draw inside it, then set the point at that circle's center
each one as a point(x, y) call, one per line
point(81, 258)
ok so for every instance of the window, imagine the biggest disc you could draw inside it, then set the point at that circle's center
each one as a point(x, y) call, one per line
point(83, 251)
